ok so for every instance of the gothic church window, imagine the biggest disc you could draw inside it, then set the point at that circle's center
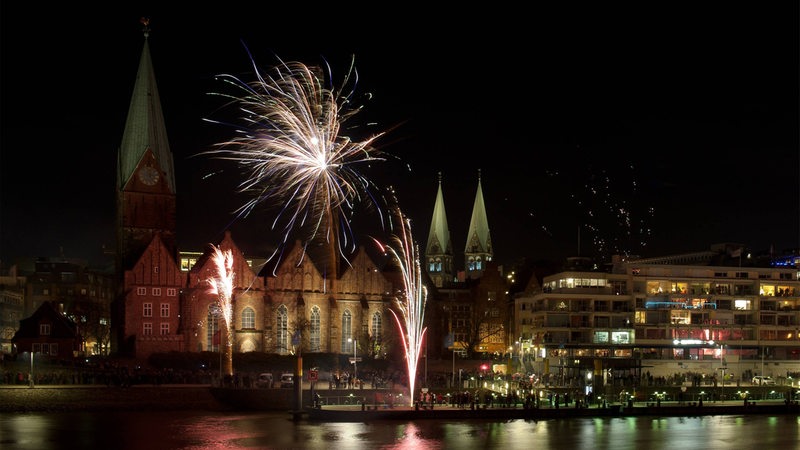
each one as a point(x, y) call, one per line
point(315, 330)
point(212, 328)
point(248, 319)
point(282, 330)
point(347, 332)
point(377, 331)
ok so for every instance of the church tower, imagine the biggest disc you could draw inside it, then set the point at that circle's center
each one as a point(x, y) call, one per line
point(146, 200)
point(478, 251)
point(439, 249)
point(146, 310)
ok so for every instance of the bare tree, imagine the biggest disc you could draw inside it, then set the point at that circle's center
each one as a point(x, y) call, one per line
point(92, 319)
point(476, 329)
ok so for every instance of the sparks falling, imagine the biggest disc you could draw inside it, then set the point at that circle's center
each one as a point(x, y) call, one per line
point(220, 283)
point(411, 301)
point(612, 210)
point(293, 153)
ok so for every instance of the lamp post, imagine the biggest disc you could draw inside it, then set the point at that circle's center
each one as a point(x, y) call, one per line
point(510, 360)
point(355, 360)
point(30, 381)
point(453, 373)
point(589, 388)
point(722, 369)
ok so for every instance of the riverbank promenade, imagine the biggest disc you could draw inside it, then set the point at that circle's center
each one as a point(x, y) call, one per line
point(366, 413)
point(345, 405)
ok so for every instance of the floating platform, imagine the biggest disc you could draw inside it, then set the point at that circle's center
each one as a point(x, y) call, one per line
point(367, 413)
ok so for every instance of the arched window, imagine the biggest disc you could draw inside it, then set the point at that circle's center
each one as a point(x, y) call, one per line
point(248, 319)
point(377, 332)
point(377, 325)
point(347, 332)
point(212, 328)
point(315, 330)
point(282, 330)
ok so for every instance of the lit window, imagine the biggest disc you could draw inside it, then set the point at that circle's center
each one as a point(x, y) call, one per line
point(377, 327)
point(282, 329)
point(248, 319)
point(315, 329)
point(347, 332)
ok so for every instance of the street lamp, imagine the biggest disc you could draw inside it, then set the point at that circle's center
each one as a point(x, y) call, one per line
point(30, 381)
point(355, 360)
point(453, 381)
point(722, 369)
point(510, 359)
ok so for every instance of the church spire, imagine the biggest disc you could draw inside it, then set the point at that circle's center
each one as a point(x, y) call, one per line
point(439, 250)
point(479, 243)
point(145, 128)
point(146, 201)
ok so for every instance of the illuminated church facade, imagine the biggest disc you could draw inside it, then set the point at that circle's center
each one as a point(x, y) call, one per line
point(163, 302)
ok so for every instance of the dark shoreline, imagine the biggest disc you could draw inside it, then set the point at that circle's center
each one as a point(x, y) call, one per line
point(102, 398)
point(180, 397)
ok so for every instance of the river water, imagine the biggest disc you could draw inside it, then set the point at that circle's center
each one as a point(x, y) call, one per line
point(213, 430)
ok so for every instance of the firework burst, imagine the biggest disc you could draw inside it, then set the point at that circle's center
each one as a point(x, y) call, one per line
point(292, 150)
point(611, 209)
point(616, 218)
point(220, 282)
point(411, 301)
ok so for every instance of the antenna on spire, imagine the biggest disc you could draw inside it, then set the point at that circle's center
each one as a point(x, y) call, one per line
point(479, 174)
point(440, 177)
point(145, 21)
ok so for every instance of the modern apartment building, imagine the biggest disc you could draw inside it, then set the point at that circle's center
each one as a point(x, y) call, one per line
point(716, 313)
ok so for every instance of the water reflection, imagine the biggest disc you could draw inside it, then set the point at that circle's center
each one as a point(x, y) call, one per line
point(204, 430)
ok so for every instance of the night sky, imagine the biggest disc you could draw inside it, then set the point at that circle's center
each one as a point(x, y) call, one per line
point(617, 130)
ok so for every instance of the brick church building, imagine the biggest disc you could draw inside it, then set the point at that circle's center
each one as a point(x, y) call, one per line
point(164, 303)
